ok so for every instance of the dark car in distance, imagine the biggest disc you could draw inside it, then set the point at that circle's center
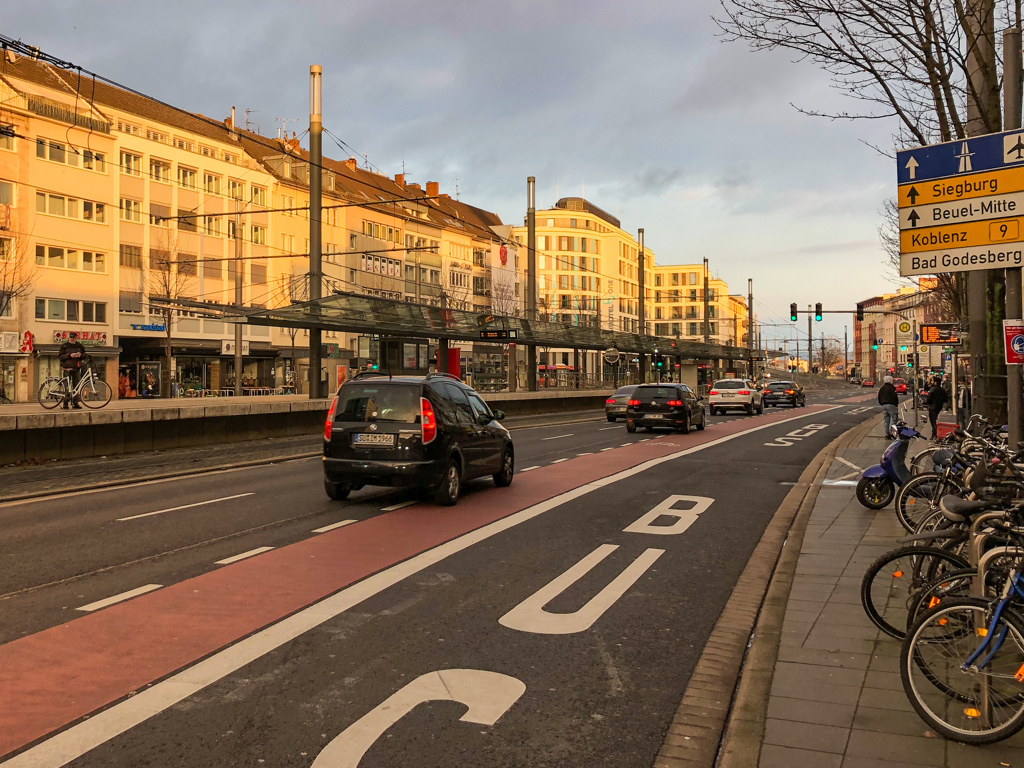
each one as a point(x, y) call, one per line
point(784, 393)
point(615, 406)
point(431, 432)
point(674, 406)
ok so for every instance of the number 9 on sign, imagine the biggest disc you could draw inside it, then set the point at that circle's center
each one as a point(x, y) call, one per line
point(1004, 230)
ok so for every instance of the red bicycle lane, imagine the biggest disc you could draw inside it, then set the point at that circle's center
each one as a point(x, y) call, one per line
point(53, 678)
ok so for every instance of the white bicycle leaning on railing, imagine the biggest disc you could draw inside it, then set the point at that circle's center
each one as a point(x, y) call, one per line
point(91, 391)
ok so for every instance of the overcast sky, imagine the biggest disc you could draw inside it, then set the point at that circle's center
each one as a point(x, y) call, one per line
point(638, 105)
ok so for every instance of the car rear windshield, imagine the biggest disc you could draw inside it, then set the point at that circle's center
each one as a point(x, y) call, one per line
point(647, 394)
point(780, 385)
point(379, 402)
point(624, 390)
point(730, 385)
point(900, 381)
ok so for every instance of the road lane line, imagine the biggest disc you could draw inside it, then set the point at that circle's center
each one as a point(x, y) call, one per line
point(559, 461)
point(624, 445)
point(850, 464)
point(73, 742)
point(393, 507)
point(119, 598)
point(556, 437)
point(527, 469)
point(609, 448)
point(607, 428)
point(185, 506)
point(243, 556)
point(332, 526)
point(585, 453)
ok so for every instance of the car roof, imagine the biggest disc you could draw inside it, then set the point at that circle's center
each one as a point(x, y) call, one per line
point(663, 384)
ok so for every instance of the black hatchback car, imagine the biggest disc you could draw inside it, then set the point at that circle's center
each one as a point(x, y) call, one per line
point(411, 431)
point(784, 393)
point(674, 406)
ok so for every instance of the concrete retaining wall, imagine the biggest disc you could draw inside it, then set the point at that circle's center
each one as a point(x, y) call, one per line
point(84, 434)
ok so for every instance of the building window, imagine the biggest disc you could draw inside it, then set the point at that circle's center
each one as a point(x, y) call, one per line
point(68, 258)
point(693, 278)
point(692, 329)
point(94, 261)
point(211, 183)
point(259, 235)
point(94, 211)
point(258, 274)
point(211, 225)
point(187, 221)
point(187, 177)
point(156, 136)
point(187, 264)
point(68, 207)
point(159, 215)
point(71, 310)
point(232, 229)
point(7, 136)
point(6, 193)
point(160, 170)
point(259, 195)
point(6, 304)
point(212, 269)
point(94, 161)
point(130, 301)
point(185, 144)
point(6, 248)
point(131, 130)
point(131, 210)
point(236, 189)
point(130, 256)
point(131, 164)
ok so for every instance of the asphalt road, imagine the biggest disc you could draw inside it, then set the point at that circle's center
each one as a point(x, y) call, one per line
point(586, 672)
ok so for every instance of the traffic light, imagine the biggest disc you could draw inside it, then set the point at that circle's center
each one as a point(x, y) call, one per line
point(903, 348)
point(874, 347)
point(792, 312)
point(817, 311)
point(860, 312)
point(659, 361)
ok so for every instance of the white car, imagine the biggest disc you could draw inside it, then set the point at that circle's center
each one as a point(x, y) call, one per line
point(735, 393)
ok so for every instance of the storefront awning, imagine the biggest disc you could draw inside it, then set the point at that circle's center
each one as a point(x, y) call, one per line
point(356, 313)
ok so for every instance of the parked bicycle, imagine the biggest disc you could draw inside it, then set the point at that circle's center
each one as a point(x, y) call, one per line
point(91, 390)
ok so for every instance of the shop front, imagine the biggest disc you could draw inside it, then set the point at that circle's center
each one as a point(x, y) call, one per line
point(47, 351)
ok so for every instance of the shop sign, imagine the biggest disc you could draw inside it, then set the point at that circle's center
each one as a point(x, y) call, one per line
point(149, 327)
point(1013, 340)
point(86, 338)
point(227, 347)
point(28, 342)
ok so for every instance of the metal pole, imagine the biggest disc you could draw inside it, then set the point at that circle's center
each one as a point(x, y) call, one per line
point(1012, 66)
point(750, 322)
point(810, 339)
point(316, 128)
point(531, 279)
point(239, 266)
point(707, 320)
point(644, 362)
point(913, 330)
point(846, 353)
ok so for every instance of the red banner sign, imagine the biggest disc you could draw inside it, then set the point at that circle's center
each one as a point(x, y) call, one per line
point(87, 338)
point(1013, 341)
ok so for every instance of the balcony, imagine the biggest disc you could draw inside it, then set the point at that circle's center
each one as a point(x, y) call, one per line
point(65, 114)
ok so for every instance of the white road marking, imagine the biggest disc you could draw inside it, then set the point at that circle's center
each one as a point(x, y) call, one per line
point(185, 506)
point(624, 445)
point(646, 439)
point(838, 482)
point(604, 429)
point(393, 507)
point(559, 461)
point(72, 743)
point(586, 453)
point(556, 437)
point(488, 696)
point(332, 526)
point(609, 448)
point(119, 598)
point(530, 616)
point(684, 517)
point(847, 477)
point(528, 469)
point(850, 464)
point(250, 553)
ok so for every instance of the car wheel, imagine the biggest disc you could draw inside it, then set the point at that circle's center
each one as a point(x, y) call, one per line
point(685, 426)
point(749, 409)
point(503, 479)
point(611, 419)
point(630, 427)
point(760, 408)
point(703, 421)
point(447, 491)
point(714, 411)
point(336, 491)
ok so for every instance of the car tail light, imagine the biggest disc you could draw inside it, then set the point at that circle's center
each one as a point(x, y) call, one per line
point(610, 401)
point(329, 424)
point(428, 422)
point(743, 392)
point(634, 403)
point(713, 392)
point(675, 403)
point(789, 391)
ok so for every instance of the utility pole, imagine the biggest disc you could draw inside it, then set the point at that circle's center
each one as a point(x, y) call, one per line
point(644, 362)
point(846, 353)
point(985, 311)
point(316, 128)
point(1012, 67)
point(239, 266)
point(750, 322)
point(707, 321)
point(531, 279)
point(810, 339)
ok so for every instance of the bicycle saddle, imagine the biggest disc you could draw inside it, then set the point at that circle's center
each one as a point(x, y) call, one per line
point(942, 457)
point(957, 510)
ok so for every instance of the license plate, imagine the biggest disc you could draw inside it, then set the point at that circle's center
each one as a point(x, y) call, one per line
point(369, 438)
point(653, 416)
point(727, 394)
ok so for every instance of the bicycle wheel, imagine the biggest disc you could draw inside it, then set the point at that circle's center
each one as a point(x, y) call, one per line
point(923, 462)
point(96, 394)
point(987, 704)
point(51, 393)
point(894, 579)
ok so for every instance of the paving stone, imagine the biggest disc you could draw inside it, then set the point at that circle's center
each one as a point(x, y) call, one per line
point(826, 692)
point(839, 644)
point(789, 733)
point(870, 762)
point(773, 756)
point(865, 631)
point(905, 750)
point(964, 756)
point(812, 674)
point(888, 721)
point(888, 680)
point(803, 711)
point(883, 699)
point(825, 658)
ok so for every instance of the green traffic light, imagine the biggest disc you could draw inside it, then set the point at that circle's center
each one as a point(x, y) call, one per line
point(874, 346)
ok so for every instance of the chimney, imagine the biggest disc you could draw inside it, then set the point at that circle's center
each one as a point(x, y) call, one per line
point(445, 196)
point(292, 144)
point(432, 189)
point(400, 179)
point(414, 186)
point(351, 163)
point(231, 124)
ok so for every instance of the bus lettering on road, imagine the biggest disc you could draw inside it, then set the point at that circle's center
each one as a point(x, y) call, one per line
point(796, 435)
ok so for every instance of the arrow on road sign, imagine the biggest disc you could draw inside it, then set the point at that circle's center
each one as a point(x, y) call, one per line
point(912, 167)
point(913, 217)
point(912, 194)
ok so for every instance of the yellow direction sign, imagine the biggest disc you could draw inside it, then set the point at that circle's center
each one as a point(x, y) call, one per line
point(961, 205)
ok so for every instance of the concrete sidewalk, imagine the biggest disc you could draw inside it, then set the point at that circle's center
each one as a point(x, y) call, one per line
point(836, 698)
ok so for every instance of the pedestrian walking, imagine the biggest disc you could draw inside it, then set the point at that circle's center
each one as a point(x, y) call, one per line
point(936, 401)
point(890, 402)
point(964, 402)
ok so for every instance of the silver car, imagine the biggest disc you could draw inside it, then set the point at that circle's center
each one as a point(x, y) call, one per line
point(615, 406)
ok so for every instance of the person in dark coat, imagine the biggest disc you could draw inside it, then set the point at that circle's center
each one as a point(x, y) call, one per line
point(72, 358)
point(936, 401)
point(890, 402)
